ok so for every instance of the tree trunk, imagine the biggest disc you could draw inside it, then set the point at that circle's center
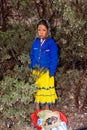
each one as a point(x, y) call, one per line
point(3, 15)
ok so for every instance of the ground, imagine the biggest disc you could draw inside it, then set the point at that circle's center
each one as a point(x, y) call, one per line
point(75, 118)
point(66, 104)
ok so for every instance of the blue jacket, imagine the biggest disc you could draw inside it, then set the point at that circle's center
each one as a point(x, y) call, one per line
point(45, 55)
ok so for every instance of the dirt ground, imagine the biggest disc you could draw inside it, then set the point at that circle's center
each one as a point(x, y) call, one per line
point(66, 104)
point(75, 118)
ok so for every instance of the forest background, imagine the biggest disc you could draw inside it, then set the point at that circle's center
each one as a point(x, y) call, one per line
point(18, 19)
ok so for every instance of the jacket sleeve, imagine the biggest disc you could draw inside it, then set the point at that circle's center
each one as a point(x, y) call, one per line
point(53, 58)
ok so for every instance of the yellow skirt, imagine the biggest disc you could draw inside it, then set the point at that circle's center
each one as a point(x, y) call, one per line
point(45, 92)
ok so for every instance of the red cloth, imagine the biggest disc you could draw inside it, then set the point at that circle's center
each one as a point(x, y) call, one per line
point(62, 117)
point(34, 118)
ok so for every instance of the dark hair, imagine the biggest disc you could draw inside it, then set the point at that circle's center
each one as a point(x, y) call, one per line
point(43, 22)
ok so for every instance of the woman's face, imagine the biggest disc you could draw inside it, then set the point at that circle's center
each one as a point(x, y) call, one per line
point(42, 31)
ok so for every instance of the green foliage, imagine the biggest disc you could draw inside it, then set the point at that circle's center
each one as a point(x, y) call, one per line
point(69, 28)
point(70, 80)
point(16, 93)
point(23, 6)
point(71, 31)
point(13, 90)
point(19, 38)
